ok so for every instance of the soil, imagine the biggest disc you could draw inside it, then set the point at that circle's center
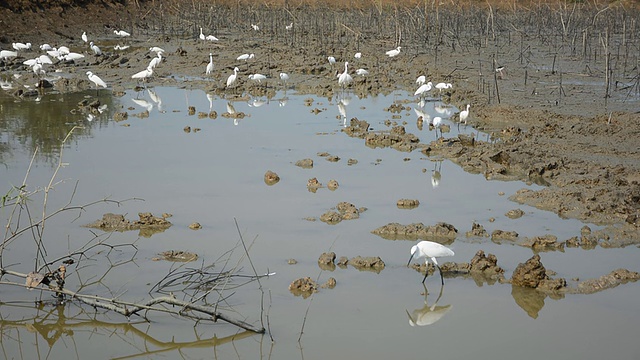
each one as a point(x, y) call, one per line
point(548, 126)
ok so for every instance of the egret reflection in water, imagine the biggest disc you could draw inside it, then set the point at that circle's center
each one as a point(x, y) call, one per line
point(428, 314)
point(436, 175)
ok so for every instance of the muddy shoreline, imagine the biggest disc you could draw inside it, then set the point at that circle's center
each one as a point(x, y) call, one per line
point(580, 144)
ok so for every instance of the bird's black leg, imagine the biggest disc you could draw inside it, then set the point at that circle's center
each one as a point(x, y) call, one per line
point(441, 277)
point(426, 272)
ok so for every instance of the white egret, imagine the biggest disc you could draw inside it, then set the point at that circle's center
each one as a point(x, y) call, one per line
point(344, 79)
point(436, 125)
point(202, 37)
point(255, 27)
point(30, 62)
point(121, 33)
point(394, 52)
point(144, 74)
point(421, 80)
point(209, 65)
point(21, 46)
point(45, 47)
point(72, 56)
point(84, 36)
point(121, 47)
point(155, 61)
point(257, 77)
point(332, 60)
point(96, 80)
point(362, 72)
point(95, 48)
point(211, 38)
point(63, 50)
point(156, 49)
point(232, 78)
point(38, 69)
point(289, 27)
point(423, 89)
point(6, 54)
point(430, 251)
point(358, 55)
point(442, 86)
point(464, 114)
point(245, 57)
point(284, 77)
point(44, 59)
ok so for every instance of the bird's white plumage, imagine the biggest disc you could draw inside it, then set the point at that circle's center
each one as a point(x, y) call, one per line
point(442, 86)
point(332, 60)
point(96, 80)
point(202, 37)
point(121, 33)
point(421, 80)
point(94, 47)
point(232, 78)
point(464, 114)
point(430, 250)
point(358, 55)
point(144, 74)
point(394, 52)
point(289, 27)
point(344, 79)
point(424, 88)
point(156, 49)
point(257, 77)
point(362, 72)
point(155, 61)
point(209, 65)
point(245, 57)
point(84, 36)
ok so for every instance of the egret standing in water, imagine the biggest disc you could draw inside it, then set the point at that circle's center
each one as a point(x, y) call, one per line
point(284, 77)
point(464, 114)
point(423, 89)
point(210, 64)
point(430, 251)
point(344, 79)
point(436, 124)
point(144, 75)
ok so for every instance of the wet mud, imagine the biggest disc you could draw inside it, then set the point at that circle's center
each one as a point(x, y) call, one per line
point(582, 150)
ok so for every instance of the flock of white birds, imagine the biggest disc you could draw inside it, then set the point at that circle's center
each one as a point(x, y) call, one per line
point(63, 53)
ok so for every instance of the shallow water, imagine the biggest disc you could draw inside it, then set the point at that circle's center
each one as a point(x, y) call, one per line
point(215, 175)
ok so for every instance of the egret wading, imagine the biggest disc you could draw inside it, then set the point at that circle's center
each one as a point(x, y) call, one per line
point(430, 251)
point(232, 78)
point(344, 79)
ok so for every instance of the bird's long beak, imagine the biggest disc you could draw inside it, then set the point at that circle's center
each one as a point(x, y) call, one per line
point(409, 262)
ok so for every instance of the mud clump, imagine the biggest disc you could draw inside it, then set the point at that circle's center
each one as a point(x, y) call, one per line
point(397, 139)
point(345, 211)
point(332, 185)
point(514, 214)
point(271, 178)
point(147, 224)
point(395, 231)
point(532, 274)
point(303, 287)
point(367, 263)
point(611, 280)
point(477, 230)
point(504, 235)
point(546, 242)
point(176, 256)
point(486, 265)
point(326, 261)
point(408, 203)
point(195, 226)
point(305, 163)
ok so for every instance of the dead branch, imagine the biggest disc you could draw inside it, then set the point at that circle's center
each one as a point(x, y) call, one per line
point(129, 309)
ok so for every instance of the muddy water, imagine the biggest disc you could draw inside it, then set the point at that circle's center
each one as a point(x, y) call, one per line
point(215, 175)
